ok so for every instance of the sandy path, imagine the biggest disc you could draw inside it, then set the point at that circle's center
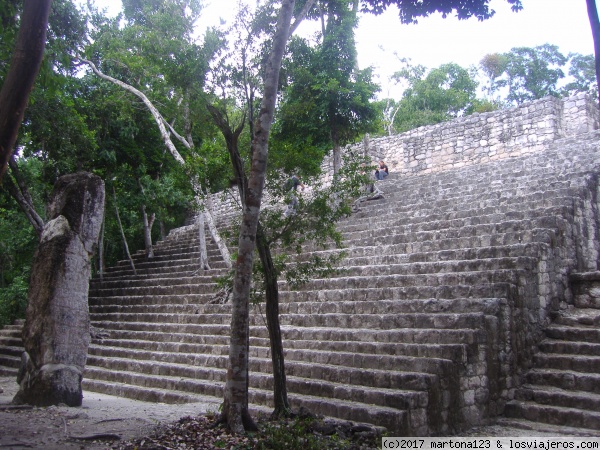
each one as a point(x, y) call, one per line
point(54, 427)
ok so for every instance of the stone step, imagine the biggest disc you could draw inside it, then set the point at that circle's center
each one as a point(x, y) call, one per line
point(579, 317)
point(177, 289)
point(439, 204)
point(395, 254)
point(8, 372)
point(536, 428)
point(429, 221)
point(210, 333)
point(351, 321)
point(546, 395)
point(565, 379)
point(452, 239)
point(570, 347)
point(183, 299)
point(454, 291)
point(260, 347)
point(478, 277)
point(575, 363)
point(437, 267)
point(173, 280)
point(393, 419)
point(476, 224)
point(373, 378)
point(189, 270)
point(570, 333)
point(412, 306)
point(12, 350)
point(554, 415)
point(11, 361)
point(263, 364)
point(143, 393)
point(152, 264)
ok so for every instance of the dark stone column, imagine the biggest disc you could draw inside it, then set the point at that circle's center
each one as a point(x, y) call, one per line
point(56, 335)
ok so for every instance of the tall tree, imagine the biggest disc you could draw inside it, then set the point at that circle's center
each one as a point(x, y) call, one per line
point(592, 10)
point(25, 64)
point(442, 94)
point(235, 407)
point(154, 56)
point(533, 73)
point(328, 101)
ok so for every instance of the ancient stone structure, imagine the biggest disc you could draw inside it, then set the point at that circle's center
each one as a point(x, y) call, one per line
point(56, 335)
point(469, 293)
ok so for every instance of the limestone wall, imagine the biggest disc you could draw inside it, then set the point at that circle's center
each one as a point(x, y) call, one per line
point(474, 139)
point(480, 138)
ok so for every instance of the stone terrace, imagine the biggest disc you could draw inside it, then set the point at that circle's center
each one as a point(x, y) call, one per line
point(465, 294)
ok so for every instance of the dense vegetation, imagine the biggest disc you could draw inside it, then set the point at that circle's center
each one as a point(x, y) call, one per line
point(79, 121)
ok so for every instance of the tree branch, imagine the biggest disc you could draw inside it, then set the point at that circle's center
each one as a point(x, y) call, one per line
point(158, 118)
point(309, 4)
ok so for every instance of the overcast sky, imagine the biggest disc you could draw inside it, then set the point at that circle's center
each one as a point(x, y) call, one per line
point(435, 41)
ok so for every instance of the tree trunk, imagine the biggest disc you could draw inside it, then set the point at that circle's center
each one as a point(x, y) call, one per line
point(595, 25)
point(25, 202)
point(101, 266)
point(162, 124)
point(280, 397)
point(56, 334)
point(148, 232)
point(214, 233)
point(24, 67)
point(235, 407)
point(281, 403)
point(202, 238)
point(337, 157)
point(123, 233)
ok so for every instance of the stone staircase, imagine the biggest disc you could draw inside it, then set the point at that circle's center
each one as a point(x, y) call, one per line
point(563, 387)
point(455, 304)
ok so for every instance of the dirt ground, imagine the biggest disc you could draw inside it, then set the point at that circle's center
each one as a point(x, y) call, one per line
point(110, 419)
point(104, 421)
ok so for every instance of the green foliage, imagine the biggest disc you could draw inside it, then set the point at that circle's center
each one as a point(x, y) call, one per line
point(410, 10)
point(528, 74)
point(313, 225)
point(533, 73)
point(444, 93)
point(16, 251)
point(299, 433)
point(326, 102)
point(583, 71)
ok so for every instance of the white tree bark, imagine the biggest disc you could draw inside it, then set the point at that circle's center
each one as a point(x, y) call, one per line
point(202, 238)
point(162, 124)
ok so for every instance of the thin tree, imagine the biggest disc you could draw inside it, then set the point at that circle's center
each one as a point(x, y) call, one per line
point(235, 406)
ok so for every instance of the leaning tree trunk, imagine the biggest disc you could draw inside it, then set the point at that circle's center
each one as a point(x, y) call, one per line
point(162, 127)
point(24, 67)
point(595, 25)
point(235, 407)
point(280, 398)
point(125, 245)
point(56, 334)
point(18, 190)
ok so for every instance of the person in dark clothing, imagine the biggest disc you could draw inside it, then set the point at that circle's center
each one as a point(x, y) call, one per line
point(382, 171)
point(292, 186)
